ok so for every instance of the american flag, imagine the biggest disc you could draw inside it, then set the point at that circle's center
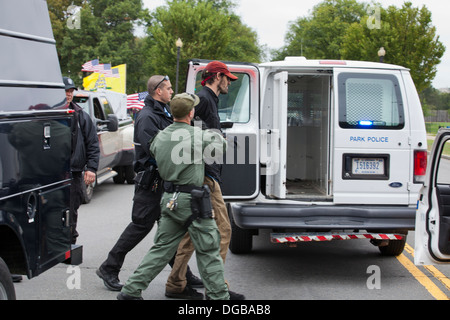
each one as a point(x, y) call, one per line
point(107, 70)
point(115, 73)
point(98, 68)
point(90, 65)
point(136, 100)
point(110, 72)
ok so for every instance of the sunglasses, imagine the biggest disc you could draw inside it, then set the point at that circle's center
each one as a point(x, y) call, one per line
point(166, 78)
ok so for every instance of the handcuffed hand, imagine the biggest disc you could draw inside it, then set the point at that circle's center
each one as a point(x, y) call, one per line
point(89, 177)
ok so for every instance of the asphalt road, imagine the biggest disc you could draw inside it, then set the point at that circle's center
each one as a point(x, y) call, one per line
point(336, 270)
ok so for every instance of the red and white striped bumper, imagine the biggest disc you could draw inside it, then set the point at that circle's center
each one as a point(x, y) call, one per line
point(305, 237)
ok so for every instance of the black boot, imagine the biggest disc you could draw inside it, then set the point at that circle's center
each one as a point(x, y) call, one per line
point(124, 296)
point(111, 281)
point(192, 280)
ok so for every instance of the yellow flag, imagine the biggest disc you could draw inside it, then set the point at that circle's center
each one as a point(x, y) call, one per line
point(96, 80)
point(89, 82)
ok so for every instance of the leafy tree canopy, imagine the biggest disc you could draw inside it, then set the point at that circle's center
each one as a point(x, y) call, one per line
point(342, 29)
point(208, 30)
point(105, 31)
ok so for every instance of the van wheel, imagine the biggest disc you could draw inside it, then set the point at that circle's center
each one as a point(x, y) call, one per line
point(393, 248)
point(241, 239)
point(7, 291)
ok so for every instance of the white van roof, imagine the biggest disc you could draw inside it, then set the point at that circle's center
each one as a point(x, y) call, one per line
point(293, 62)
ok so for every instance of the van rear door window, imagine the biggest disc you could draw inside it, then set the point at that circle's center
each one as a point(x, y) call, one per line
point(234, 106)
point(370, 101)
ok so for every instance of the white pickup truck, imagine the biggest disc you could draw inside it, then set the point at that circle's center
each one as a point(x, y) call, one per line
point(115, 134)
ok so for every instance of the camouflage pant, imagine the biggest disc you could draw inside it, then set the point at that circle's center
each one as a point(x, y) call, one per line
point(205, 237)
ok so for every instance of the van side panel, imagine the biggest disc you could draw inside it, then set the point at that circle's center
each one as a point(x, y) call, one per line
point(28, 52)
point(35, 13)
point(417, 128)
point(35, 138)
point(30, 63)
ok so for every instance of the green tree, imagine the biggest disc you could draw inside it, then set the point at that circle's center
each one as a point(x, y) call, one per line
point(105, 32)
point(434, 99)
point(59, 13)
point(339, 29)
point(208, 30)
point(408, 36)
point(320, 35)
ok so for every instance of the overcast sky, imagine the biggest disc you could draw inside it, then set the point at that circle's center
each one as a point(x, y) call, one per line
point(270, 18)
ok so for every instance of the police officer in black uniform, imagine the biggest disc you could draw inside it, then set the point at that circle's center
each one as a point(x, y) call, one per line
point(85, 154)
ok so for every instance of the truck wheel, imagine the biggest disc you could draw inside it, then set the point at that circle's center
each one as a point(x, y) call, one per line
point(7, 291)
point(241, 239)
point(129, 174)
point(394, 247)
point(120, 177)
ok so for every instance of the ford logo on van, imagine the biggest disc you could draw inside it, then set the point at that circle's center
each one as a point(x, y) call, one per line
point(395, 185)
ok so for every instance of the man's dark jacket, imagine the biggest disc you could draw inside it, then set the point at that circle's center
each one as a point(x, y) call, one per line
point(207, 111)
point(85, 146)
point(149, 121)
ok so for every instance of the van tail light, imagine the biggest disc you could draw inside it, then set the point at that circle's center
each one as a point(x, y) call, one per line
point(420, 165)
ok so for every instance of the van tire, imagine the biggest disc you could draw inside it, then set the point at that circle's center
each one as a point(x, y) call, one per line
point(241, 239)
point(7, 291)
point(124, 173)
point(120, 177)
point(129, 174)
point(394, 247)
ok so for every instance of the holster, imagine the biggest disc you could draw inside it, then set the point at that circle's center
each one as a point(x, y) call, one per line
point(201, 203)
point(146, 178)
point(201, 206)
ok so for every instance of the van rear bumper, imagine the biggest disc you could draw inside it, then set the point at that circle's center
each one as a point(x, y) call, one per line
point(316, 217)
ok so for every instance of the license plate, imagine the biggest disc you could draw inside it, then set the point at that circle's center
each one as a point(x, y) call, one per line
point(368, 166)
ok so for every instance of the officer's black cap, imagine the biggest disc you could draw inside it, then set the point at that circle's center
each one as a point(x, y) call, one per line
point(69, 84)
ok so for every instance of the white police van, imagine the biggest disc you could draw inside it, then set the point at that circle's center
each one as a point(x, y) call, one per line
point(321, 150)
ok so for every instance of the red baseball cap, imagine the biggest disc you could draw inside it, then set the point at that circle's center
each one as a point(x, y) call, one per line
point(217, 66)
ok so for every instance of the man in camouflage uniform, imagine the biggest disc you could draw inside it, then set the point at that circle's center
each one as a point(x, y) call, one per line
point(179, 151)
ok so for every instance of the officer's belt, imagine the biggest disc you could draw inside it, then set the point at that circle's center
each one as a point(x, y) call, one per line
point(170, 187)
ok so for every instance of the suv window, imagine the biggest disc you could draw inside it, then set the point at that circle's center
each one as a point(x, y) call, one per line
point(83, 102)
point(234, 106)
point(98, 113)
point(106, 106)
point(370, 101)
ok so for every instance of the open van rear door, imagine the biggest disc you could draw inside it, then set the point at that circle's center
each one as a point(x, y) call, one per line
point(239, 117)
point(432, 243)
point(273, 134)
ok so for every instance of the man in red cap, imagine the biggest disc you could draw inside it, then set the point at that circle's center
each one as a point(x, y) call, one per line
point(216, 79)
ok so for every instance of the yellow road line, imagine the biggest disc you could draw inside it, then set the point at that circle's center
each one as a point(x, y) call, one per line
point(432, 269)
point(439, 275)
point(420, 276)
